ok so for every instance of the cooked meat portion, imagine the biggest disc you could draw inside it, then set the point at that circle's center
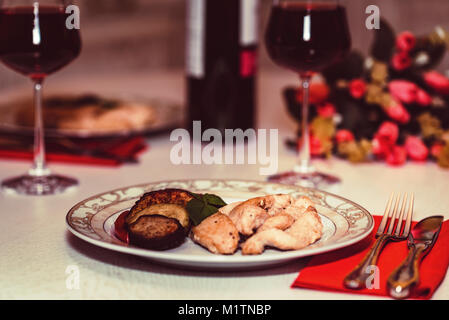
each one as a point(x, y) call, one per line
point(217, 233)
point(279, 221)
point(156, 232)
point(306, 229)
point(299, 206)
point(173, 196)
point(229, 207)
point(275, 238)
point(277, 203)
point(248, 217)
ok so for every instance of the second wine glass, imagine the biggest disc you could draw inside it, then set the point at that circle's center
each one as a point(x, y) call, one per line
point(306, 37)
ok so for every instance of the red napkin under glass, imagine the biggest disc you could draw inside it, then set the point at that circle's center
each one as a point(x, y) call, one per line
point(82, 151)
point(327, 271)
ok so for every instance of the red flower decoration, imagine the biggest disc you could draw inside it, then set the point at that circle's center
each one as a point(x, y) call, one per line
point(380, 147)
point(437, 81)
point(344, 135)
point(406, 41)
point(326, 110)
point(416, 149)
point(403, 90)
point(385, 139)
point(398, 113)
point(357, 88)
point(388, 131)
point(318, 93)
point(436, 149)
point(423, 98)
point(396, 156)
point(315, 146)
point(408, 92)
point(401, 61)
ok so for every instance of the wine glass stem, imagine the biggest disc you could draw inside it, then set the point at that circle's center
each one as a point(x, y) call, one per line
point(304, 165)
point(39, 167)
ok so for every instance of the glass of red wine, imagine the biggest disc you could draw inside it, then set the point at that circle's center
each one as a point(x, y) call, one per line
point(36, 40)
point(306, 37)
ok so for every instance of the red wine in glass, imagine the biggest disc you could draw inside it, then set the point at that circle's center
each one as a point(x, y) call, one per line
point(57, 47)
point(306, 37)
point(36, 41)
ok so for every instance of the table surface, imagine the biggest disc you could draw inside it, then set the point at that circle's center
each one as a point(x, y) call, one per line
point(37, 250)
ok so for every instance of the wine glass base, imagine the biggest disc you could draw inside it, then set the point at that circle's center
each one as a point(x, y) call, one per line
point(311, 179)
point(38, 185)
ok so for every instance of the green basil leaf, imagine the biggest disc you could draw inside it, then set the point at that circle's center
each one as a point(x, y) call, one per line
point(198, 196)
point(195, 208)
point(214, 200)
point(203, 206)
point(208, 211)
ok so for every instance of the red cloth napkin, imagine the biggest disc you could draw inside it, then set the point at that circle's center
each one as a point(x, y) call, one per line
point(116, 152)
point(327, 271)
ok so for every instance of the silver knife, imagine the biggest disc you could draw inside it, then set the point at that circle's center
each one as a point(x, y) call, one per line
point(420, 241)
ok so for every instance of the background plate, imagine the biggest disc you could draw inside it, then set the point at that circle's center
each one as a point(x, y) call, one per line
point(169, 115)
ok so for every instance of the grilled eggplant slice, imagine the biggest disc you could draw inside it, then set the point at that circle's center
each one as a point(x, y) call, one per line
point(164, 209)
point(156, 232)
point(177, 197)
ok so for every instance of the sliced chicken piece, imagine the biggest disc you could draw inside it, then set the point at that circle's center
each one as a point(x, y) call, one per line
point(229, 207)
point(305, 230)
point(302, 203)
point(271, 203)
point(308, 228)
point(249, 215)
point(279, 221)
point(277, 203)
point(247, 218)
point(217, 233)
point(271, 237)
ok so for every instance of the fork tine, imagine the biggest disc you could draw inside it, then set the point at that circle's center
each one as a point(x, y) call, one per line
point(401, 216)
point(383, 223)
point(408, 223)
point(393, 216)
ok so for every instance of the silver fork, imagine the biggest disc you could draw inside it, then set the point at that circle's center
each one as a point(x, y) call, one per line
point(357, 278)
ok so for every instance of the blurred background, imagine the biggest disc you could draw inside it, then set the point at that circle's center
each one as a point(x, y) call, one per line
point(138, 36)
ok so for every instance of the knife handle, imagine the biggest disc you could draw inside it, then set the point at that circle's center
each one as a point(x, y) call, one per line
point(357, 278)
point(405, 277)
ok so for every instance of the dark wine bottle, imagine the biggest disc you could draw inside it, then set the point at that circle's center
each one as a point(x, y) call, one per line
point(221, 63)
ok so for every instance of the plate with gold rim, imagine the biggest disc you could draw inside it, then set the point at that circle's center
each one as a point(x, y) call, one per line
point(344, 223)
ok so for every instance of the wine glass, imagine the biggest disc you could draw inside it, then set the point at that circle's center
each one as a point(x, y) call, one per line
point(305, 37)
point(36, 40)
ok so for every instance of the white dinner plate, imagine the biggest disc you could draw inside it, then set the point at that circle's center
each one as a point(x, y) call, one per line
point(344, 223)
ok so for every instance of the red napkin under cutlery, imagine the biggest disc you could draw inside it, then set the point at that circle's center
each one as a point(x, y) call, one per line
point(88, 151)
point(327, 271)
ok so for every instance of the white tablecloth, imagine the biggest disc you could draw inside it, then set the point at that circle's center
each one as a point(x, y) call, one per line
point(36, 249)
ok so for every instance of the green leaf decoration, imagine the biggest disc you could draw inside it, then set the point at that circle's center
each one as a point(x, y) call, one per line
point(214, 200)
point(203, 206)
point(362, 119)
